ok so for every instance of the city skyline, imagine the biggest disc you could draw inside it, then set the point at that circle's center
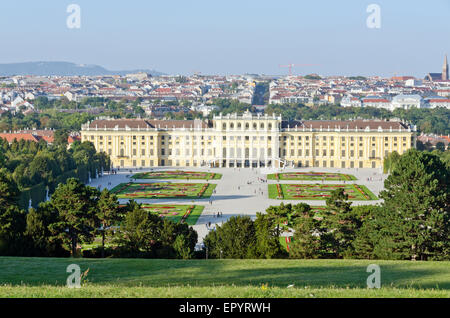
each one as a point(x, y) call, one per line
point(216, 38)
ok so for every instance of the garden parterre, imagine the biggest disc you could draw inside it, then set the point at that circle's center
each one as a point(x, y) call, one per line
point(188, 214)
point(163, 190)
point(318, 191)
point(326, 176)
point(178, 174)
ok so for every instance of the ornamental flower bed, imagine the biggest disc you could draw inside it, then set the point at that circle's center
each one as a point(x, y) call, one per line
point(279, 191)
point(176, 213)
point(178, 174)
point(312, 176)
point(162, 190)
point(203, 190)
point(318, 191)
point(186, 215)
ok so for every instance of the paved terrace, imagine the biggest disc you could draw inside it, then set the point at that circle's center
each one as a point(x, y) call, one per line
point(233, 196)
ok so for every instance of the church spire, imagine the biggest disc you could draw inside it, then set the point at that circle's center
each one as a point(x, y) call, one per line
point(445, 69)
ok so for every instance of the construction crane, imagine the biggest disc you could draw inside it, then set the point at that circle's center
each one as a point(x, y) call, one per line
point(290, 66)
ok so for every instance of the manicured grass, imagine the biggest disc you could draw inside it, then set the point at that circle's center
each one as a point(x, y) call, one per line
point(164, 190)
point(327, 176)
point(175, 213)
point(178, 174)
point(217, 291)
point(318, 191)
point(46, 277)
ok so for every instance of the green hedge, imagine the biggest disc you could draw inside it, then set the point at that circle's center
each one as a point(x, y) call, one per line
point(62, 179)
point(36, 193)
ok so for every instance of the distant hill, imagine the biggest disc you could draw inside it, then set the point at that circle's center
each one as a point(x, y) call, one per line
point(62, 69)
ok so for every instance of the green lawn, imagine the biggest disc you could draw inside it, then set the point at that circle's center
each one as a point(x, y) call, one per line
point(318, 191)
point(46, 277)
point(316, 176)
point(163, 190)
point(178, 174)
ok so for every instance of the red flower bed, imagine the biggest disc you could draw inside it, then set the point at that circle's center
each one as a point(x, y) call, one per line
point(280, 192)
point(185, 216)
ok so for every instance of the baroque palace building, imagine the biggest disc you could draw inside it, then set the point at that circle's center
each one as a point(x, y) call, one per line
point(248, 141)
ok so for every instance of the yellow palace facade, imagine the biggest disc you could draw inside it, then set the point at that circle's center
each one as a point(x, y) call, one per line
point(248, 141)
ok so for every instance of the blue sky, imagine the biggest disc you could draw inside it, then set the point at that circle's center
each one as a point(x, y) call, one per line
point(232, 36)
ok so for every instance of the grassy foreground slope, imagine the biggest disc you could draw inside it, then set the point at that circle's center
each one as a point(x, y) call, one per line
point(46, 277)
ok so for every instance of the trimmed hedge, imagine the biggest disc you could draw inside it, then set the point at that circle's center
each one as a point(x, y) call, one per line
point(35, 193)
point(38, 192)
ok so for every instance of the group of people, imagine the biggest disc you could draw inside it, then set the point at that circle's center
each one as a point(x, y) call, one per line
point(219, 214)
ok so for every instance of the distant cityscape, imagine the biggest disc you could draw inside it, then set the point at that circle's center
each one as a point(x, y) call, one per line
point(17, 93)
point(159, 95)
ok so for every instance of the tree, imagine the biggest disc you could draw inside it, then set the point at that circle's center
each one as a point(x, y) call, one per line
point(9, 193)
point(440, 146)
point(140, 232)
point(43, 168)
point(41, 241)
point(415, 214)
point(2, 155)
point(61, 137)
point(171, 245)
point(369, 234)
point(420, 145)
point(390, 161)
point(234, 239)
point(75, 204)
point(182, 247)
point(12, 228)
point(108, 214)
point(307, 240)
point(340, 223)
point(267, 242)
point(279, 215)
